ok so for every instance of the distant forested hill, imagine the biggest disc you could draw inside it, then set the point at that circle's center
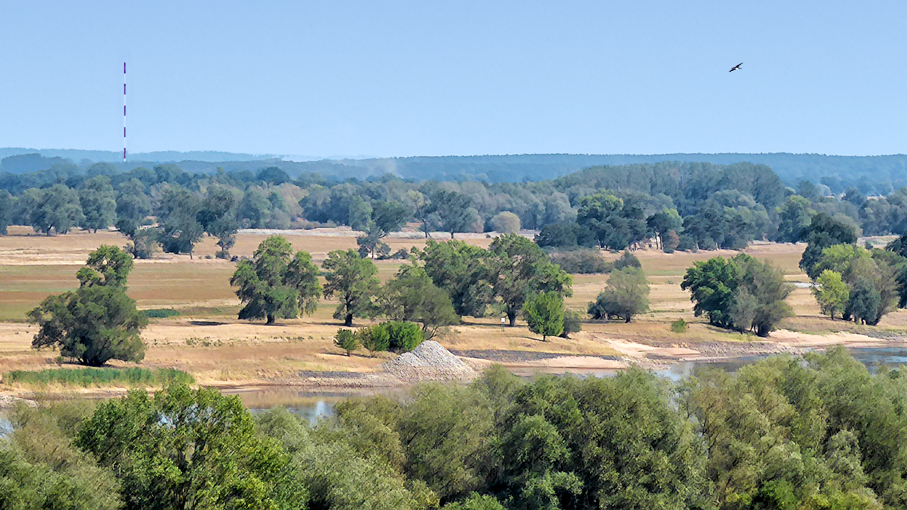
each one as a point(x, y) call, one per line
point(870, 174)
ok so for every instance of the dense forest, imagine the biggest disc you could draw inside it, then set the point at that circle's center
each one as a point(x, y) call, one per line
point(872, 175)
point(669, 205)
point(819, 432)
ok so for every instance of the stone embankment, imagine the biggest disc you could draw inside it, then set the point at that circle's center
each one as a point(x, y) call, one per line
point(429, 362)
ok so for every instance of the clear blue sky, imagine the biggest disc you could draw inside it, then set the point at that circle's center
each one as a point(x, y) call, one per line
point(437, 78)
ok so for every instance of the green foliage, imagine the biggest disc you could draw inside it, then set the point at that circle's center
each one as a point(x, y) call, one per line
point(276, 283)
point(133, 206)
point(374, 338)
point(389, 215)
point(615, 223)
point(108, 266)
point(217, 216)
point(178, 219)
point(794, 220)
point(573, 323)
point(505, 222)
point(662, 223)
point(40, 468)
point(476, 501)
point(831, 293)
point(57, 209)
point(455, 211)
point(545, 314)
point(412, 296)
point(565, 235)
point(161, 313)
point(98, 321)
point(824, 231)
point(188, 448)
point(401, 336)
point(462, 271)
point(97, 202)
point(519, 269)
point(346, 340)
point(879, 281)
point(355, 282)
point(580, 261)
point(627, 259)
point(6, 210)
point(679, 326)
point(85, 377)
point(625, 295)
point(740, 293)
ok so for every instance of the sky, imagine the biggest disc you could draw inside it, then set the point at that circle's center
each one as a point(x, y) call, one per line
point(383, 78)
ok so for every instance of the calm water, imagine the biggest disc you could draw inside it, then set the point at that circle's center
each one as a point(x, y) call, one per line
point(314, 405)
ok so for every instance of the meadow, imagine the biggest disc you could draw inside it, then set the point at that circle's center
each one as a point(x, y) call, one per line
point(207, 341)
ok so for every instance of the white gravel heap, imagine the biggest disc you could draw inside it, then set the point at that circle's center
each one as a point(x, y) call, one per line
point(429, 362)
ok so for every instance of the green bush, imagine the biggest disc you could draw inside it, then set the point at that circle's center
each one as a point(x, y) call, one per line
point(626, 259)
point(573, 323)
point(161, 313)
point(374, 338)
point(403, 336)
point(679, 326)
point(100, 376)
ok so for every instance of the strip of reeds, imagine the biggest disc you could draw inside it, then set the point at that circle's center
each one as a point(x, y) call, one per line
point(99, 377)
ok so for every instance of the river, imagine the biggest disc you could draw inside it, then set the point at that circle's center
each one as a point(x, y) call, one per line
point(316, 404)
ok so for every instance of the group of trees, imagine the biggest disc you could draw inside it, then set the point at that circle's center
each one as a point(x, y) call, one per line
point(674, 206)
point(819, 432)
point(859, 284)
point(740, 293)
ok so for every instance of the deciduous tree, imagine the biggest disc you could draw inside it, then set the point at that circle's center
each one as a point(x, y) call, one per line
point(354, 281)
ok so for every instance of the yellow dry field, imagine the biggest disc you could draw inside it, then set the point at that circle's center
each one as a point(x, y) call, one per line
point(207, 340)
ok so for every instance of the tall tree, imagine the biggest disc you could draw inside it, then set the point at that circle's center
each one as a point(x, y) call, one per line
point(456, 211)
point(133, 206)
point(217, 216)
point(57, 209)
point(412, 296)
point(355, 282)
point(98, 205)
point(831, 293)
point(276, 283)
point(6, 210)
point(824, 231)
point(625, 295)
point(794, 220)
point(179, 225)
point(518, 269)
point(98, 321)
point(462, 271)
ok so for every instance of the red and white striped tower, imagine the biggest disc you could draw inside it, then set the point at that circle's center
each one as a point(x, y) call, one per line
point(124, 112)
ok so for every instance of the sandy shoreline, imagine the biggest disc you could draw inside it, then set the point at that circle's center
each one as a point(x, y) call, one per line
point(650, 356)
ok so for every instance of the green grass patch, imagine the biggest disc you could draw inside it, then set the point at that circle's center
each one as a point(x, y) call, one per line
point(99, 376)
point(161, 313)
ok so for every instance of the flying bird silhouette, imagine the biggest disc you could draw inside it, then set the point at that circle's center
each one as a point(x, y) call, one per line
point(735, 67)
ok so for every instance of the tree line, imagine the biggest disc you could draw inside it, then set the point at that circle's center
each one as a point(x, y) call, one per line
point(788, 433)
point(672, 206)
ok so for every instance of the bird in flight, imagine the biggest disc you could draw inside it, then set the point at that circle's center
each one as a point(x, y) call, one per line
point(735, 67)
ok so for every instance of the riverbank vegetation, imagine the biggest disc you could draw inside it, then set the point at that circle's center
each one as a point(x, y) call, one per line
point(819, 432)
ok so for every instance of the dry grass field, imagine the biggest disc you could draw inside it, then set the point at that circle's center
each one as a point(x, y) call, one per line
point(207, 340)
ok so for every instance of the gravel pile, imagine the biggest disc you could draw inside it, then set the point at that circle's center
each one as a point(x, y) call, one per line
point(429, 362)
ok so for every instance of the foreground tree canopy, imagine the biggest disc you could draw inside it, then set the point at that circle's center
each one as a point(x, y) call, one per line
point(98, 321)
point(818, 432)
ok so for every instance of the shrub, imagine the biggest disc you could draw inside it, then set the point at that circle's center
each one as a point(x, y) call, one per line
point(545, 314)
point(374, 338)
point(580, 261)
point(625, 295)
point(627, 259)
point(346, 340)
point(679, 326)
point(161, 313)
point(687, 243)
point(402, 336)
